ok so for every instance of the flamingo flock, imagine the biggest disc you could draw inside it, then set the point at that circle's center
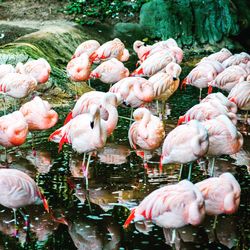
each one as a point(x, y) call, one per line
point(207, 130)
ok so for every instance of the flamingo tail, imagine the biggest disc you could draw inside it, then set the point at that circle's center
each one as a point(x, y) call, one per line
point(181, 120)
point(137, 72)
point(210, 89)
point(68, 118)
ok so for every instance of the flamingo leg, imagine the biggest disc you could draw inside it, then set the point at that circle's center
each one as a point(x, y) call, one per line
point(212, 167)
point(131, 115)
point(88, 201)
point(163, 110)
point(15, 221)
point(157, 107)
point(190, 171)
point(86, 172)
point(26, 219)
point(89, 83)
point(145, 164)
point(215, 221)
point(180, 173)
point(173, 236)
point(200, 95)
point(4, 105)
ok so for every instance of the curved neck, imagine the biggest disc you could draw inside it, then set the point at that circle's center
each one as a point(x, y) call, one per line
point(144, 121)
point(112, 120)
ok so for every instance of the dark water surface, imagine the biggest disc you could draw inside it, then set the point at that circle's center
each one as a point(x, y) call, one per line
point(117, 181)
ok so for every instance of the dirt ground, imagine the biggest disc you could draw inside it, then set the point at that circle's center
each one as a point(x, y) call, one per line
point(41, 10)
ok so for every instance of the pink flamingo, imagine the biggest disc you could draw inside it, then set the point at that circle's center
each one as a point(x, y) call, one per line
point(107, 102)
point(240, 95)
point(147, 131)
point(39, 69)
point(171, 206)
point(38, 114)
point(154, 63)
point(220, 56)
point(228, 78)
point(223, 137)
point(236, 59)
point(231, 106)
point(110, 71)
point(140, 49)
point(110, 49)
point(166, 83)
point(185, 144)
point(134, 91)
point(202, 74)
point(78, 68)
point(6, 69)
point(221, 194)
point(207, 111)
point(13, 129)
point(86, 133)
point(19, 190)
point(87, 47)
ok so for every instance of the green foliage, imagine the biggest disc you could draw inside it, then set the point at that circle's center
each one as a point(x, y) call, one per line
point(92, 11)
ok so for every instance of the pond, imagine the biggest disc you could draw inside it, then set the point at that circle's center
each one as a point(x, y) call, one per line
point(93, 219)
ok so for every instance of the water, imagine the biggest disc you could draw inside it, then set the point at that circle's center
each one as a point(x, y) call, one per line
point(117, 182)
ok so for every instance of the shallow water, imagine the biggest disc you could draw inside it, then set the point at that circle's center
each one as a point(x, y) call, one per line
point(117, 181)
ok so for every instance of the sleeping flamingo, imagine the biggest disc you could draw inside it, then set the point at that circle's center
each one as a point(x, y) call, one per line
point(228, 78)
point(224, 139)
point(87, 47)
point(165, 83)
point(39, 69)
point(86, 133)
point(6, 69)
point(19, 190)
point(110, 49)
point(110, 71)
point(220, 56)
point(236, 59)
point(107, 102)
point(171, 206)
point(147, 131)
point(221, 194)
point(185, 144)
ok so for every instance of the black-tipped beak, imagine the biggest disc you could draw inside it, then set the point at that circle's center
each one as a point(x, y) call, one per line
point(92, 124)
point(174, 78)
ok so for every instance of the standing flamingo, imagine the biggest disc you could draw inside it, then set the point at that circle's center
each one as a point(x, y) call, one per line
point(185, 144)
point(86, 133)
point(165, 83)
point(39, 69)
point(19, 190)
point(221, 194)
point(6, 69)
point(110, 49)
point(107, 102)
point(78, 68)
point(228, 78)
point(87, 47)
point(206, 111)
point(171, 206)
point(223, 137)
point(154, 64)
point(147, 131)
point(110, 71)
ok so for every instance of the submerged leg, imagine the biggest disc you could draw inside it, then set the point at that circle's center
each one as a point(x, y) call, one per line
point(86, 172)
point(190, 171)
point(180, 173)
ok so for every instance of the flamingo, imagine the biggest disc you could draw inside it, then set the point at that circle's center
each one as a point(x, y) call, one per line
point(166, 83)
point(13, 129)
point(171, 206)
point(206, 111)
point(147, 131)
point(140, 49)
point(87, 47)
point(221, 194)
point(228, 78)
point(5, 69)
point(107, 102)
point(236, 59)
point(86, 133)
point(240, 95)
point(154, 63)
point(110, 49)
point(110, 71)
point(78, 68)
point(19, 190)
point(223, 137)
point(231, 106)
point(38, 114)
point(39, 69)
point(220, 56)
point(185, 144)
point(202, 74)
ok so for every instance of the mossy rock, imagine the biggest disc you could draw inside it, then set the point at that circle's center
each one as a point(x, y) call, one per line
point(56, 44)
